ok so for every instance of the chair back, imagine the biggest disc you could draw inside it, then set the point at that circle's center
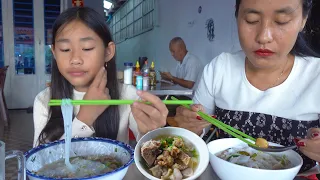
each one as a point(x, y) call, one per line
point(3, 73)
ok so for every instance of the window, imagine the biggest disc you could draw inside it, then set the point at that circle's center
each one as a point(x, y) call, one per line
point(23, 36)
point(1, 39)
point(51, 12)
point(133, 18)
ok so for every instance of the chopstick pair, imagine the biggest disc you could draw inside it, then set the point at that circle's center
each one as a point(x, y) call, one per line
point(226, 128)
point(58, 102)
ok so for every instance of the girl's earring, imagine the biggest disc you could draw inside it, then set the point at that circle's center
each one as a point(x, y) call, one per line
point(105, 65)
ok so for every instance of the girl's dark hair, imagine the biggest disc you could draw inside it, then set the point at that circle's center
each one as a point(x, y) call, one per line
point(301, 47)
point(107, 124)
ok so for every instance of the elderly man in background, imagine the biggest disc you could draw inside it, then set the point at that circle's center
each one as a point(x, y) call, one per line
point(188, 68)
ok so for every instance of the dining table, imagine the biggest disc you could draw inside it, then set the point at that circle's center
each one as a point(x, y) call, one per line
point(167, 89)
point(134, 173)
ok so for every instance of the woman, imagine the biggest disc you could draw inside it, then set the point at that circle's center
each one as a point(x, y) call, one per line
point(271, 89)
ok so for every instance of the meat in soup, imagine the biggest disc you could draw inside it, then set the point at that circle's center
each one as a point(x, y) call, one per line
point(169, 158)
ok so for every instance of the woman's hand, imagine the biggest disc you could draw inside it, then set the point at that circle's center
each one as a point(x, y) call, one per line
point(190, 120)
point(96, 91)
point(311, 146)
point(149, 117)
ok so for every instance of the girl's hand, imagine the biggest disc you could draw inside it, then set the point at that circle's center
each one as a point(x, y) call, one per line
point(149, 117)
point(96, 91)
point(311, 146)
point(190, 120)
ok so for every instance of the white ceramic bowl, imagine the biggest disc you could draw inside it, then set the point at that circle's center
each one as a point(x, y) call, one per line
point(229, 171)
point(51, 152)
point(187, 136)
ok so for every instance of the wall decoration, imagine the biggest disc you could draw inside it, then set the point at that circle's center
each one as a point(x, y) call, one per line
point(199, 9)
point(78, 3)
point(210, 29)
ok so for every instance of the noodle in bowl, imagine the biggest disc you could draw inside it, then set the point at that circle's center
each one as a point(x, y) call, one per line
point(229, 169)
point(45, 154)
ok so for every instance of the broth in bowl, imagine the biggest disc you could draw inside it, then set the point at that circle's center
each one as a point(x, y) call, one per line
point(93, 158)
point(246, 156)
point(86, 166)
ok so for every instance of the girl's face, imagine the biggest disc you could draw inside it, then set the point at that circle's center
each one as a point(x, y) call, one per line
point(268, 30)
point(80, 53)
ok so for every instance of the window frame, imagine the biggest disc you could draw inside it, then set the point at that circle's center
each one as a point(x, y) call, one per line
point(134, 18)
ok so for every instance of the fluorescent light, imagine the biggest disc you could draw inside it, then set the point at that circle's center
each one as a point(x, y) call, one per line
point(107, 4)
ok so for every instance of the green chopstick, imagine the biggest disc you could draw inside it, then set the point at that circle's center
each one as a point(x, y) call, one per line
point(229, 127)
point(226, 128)
point(57, 102)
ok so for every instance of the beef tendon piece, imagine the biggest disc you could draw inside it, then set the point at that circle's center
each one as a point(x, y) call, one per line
point(179, 165)
point(168, 174)
point(158, 171)
point(185, 158)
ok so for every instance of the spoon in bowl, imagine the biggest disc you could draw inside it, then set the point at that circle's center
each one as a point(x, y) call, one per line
point(274, 148)
point(263, 145)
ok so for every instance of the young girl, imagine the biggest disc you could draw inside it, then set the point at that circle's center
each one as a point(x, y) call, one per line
point(84, 68)
point(270, 89)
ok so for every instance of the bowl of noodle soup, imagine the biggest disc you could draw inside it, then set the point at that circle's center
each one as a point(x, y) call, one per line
point(171, 153)
point(231, 158)
point(94, 158)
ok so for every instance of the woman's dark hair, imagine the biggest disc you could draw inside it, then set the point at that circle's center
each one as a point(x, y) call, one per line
point(301, 47)
point(107, 124)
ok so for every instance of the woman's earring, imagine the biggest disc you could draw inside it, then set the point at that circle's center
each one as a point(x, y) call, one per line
point(105, 65)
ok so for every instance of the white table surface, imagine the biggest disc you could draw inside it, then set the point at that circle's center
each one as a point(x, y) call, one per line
point(134, 174)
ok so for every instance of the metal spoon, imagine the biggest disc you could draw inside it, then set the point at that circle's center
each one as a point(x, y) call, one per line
point(274, 148)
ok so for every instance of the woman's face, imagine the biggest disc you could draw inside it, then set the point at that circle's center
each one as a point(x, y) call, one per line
point(268, 30)
point(80, 53)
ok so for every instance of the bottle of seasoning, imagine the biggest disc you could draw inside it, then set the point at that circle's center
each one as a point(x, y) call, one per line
point(145, 74)
point(152, 76)
point(128, 73)
point(145, 70)
point(145, 81)
point(139, 82)
point(136, 73)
